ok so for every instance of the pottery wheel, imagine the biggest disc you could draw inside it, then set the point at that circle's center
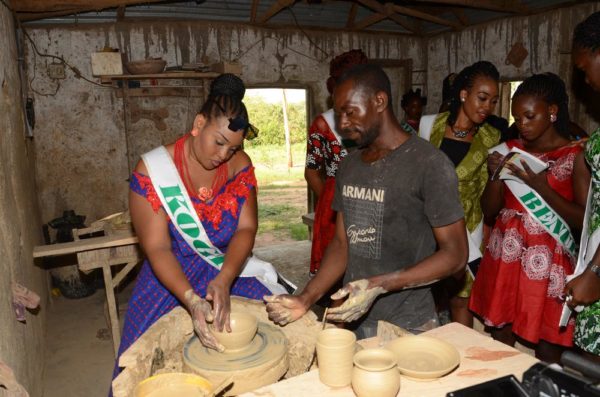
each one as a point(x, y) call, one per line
point(262, 362)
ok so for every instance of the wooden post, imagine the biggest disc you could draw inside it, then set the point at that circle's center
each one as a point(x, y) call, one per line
point(286, 129)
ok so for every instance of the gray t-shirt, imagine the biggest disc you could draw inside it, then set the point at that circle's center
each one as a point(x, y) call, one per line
point(389, 208)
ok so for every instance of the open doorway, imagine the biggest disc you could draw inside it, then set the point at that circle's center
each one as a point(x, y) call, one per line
point(279, 155)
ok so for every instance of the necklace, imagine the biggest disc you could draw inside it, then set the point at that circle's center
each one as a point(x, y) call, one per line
point(203, 193)
point(461, 134)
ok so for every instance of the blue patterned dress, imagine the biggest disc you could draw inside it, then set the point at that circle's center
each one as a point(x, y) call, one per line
point(150, 299)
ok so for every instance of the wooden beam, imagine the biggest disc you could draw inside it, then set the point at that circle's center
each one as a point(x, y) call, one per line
point(274, 9)
point(378, 7)
point(460, 15)
point(512, 6)
point(352, 15)
point(427, 17)
point(253, 11)
point(370, 20)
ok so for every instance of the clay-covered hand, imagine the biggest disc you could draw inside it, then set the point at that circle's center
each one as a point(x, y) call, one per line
point(583, 289)
point(201, 312)
point(284, 309)
point(218, 294)
point(359, 300)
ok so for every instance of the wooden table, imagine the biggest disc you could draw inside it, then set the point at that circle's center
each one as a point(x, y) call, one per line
point(470, 371)
point(114, 249)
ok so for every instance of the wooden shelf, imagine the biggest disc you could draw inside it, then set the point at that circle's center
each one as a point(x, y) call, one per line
point(107, 79)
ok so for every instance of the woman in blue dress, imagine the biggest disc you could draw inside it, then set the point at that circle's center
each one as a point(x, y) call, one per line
point(219, 179)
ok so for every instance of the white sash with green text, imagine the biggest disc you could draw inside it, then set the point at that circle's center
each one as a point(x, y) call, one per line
point(178, 206)
point(539, 210)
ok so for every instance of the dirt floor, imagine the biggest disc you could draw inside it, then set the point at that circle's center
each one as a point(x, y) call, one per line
point(79, 355)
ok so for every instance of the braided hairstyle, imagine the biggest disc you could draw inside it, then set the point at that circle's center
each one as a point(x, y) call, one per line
point(587, 33)
point(410, 95)
point(225, 100)
point(465, 80)
point(551, 89)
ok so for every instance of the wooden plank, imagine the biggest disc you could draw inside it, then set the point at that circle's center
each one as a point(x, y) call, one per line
point(352, 15)
point(112, 308)
point(72, 247)
point(253, 10)
point(81, 5)
point(165, 75)
point(152, 91)
point(370, 20)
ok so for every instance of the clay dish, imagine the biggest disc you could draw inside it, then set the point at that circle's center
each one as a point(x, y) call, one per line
point(243, 329)
point(424, 357)
point(174, 385)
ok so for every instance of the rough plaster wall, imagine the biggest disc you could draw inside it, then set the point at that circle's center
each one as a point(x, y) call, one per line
point(21, 345)
point(547, 38)
point(80, 141)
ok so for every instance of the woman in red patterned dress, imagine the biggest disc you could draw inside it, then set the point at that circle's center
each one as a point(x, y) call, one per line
point(519, 286)
point(323, 155)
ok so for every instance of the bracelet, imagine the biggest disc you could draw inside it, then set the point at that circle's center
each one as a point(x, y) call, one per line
point(595, 269)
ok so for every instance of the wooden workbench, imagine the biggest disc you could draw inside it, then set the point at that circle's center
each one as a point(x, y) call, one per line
point(470, 371)
point(115, 248)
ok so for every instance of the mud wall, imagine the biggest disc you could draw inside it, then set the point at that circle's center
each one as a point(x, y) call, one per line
point(21, 344)
point(547, 38)
point(80, 138)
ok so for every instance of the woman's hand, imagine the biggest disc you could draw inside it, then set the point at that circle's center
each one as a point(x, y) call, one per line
point(583, 289)
point(284, 309)
point(201, 312)
point(538, 182)
point(493, 162)
point(217, 292)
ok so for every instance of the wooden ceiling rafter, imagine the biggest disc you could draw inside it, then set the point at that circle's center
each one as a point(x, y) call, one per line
point(427, 17)
point(253, 11)
point(379, 8)
point(352, 15)
point(273, 10)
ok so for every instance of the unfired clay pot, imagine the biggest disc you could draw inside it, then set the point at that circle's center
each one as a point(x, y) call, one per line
point(243, 330)
point(375, 373)
point(335, 349)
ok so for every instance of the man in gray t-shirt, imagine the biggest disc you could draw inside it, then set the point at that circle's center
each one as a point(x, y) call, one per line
point(400, 221)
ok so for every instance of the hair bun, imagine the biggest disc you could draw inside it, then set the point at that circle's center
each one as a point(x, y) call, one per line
point(228, 84)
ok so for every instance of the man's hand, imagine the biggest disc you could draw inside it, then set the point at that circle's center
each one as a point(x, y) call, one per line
point(218, 294)
point(584, 289)
point(284, 309)
point(359, 300)
point(201, 312)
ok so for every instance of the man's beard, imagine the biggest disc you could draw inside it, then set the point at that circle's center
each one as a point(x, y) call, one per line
point(366, 137)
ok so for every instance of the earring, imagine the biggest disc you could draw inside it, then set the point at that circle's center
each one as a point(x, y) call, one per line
point(194, 132)
point(552, 118)
point(462, 99)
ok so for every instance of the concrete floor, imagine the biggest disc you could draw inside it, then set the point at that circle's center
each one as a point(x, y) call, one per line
point(79, 356)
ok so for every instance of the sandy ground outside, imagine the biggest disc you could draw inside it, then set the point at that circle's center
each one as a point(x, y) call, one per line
point(79, 355)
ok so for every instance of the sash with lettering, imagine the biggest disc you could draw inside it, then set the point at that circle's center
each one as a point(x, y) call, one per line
point(587, 249)
point(178, 206)
point(539, 210)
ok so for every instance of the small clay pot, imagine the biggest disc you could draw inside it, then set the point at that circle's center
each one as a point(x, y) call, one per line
point(375, 373)
point(243, 330)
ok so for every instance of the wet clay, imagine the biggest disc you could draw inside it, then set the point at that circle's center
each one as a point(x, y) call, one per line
point(483, 354)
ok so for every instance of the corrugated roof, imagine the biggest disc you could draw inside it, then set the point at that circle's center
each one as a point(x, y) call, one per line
point(306, 14)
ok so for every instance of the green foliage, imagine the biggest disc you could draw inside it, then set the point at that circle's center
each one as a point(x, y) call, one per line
point(268, 117)
point(299, 231)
